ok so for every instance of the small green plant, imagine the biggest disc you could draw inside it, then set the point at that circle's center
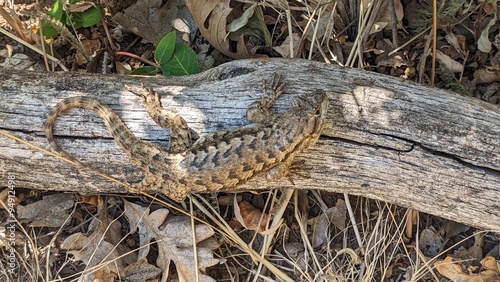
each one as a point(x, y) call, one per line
point(450, 14)
point(88, 16)
point(173, 58)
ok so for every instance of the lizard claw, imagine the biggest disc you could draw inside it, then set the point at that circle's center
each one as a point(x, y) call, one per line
point(276, 90)
point(258, 111)
point(283, 170)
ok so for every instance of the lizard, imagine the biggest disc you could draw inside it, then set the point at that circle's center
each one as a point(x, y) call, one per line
point(217, 161)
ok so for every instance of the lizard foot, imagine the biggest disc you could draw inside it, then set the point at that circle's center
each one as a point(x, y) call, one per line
point(258, 111)
point(181, 135)
point(275, 90)
point(283, 170)
point(150, 184)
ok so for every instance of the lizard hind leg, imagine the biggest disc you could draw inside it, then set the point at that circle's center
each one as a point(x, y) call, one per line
point(277, 172)
point(154, 182)
point(283, 170)
point(181, 135)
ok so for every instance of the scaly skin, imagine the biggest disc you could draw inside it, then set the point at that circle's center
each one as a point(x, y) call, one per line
point(217, 161)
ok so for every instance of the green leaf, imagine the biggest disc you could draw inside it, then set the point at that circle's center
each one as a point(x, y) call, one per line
point(165, 48)
point(56, 12)
point(90, 17)
point(183, 62)
point(146, 70)
point(86, 18)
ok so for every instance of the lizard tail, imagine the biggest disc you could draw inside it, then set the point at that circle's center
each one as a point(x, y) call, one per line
point(120, 132)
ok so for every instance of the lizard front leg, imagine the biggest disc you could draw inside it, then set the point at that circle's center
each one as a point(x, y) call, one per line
point(258, 111)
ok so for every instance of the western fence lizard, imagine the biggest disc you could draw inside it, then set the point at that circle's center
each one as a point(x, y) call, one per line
point(218, 160)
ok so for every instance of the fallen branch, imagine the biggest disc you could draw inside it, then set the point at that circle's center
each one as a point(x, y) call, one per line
point(386, 138)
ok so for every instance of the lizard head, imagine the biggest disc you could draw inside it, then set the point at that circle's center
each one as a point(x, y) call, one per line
point(312, 106)
point(310, 111)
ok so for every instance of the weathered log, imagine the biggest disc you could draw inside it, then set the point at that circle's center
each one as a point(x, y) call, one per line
point(386, 138)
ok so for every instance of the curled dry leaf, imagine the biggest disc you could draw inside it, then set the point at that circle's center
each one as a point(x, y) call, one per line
point(16, 24)
point(91, 199)
point(250, 23)
point(487, 75)
point(89, 47)
point(483, 43)
point(9, 200)
point(251, 217)
point(449, 63)
point(213, 17)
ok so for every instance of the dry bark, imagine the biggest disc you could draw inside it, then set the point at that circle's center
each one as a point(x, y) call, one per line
point(386, 138)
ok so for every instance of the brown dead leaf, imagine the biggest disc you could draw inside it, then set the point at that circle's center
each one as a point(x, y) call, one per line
point(490, 7)
point(449, 63)
point(458, 46)
point(174, 239)
point(321, 224)
point(51, 211)
point(140, 271)
point(394, 61)
point(89, 47)
point(9, 200)
point(250, 217)
point(236, 226)
point(487, 75)
point(458, 272)
point(490, 263)
point(79, 7)
point(213, 17)
point(91, 199)
point(16, 24)
point(452, 229)
point(153, 19)
point(100, 249)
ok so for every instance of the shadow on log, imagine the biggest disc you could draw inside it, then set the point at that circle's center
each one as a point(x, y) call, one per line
point(386, 138)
